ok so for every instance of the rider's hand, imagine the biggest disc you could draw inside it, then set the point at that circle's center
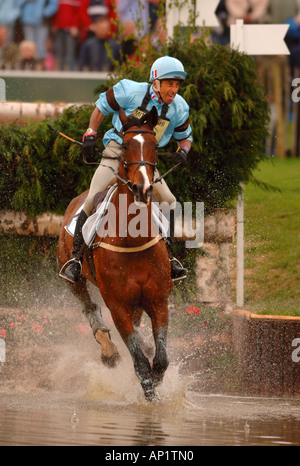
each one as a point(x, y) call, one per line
point(180, 156)
point(89, 147)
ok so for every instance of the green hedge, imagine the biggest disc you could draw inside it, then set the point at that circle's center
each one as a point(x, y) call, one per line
point(229, 115)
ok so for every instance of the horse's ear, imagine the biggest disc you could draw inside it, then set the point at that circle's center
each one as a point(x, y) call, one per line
point(123, 117)
point(152, 118)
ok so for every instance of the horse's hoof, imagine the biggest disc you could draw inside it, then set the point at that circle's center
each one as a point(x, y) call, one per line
point(150, 395)
point(110, 361)
point(149, 390)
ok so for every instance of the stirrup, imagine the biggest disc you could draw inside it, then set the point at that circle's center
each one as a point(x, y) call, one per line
point(62, 270)
point(180, 266)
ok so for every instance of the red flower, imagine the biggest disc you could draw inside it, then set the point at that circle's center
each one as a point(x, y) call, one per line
point(45, 320)
point(193, 310)
point(21, 318)
point(12, 325)
point(37, 329)
point(3, 333)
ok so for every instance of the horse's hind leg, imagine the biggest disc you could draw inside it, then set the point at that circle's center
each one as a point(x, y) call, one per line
point(146, 346)
point(109, 352)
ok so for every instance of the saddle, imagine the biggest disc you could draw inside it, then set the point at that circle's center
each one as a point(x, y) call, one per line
point(100, 215)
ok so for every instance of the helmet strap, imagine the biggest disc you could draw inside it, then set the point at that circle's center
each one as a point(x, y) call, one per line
point(156, 87)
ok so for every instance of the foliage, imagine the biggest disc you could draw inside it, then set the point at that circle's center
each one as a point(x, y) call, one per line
point(229, 115)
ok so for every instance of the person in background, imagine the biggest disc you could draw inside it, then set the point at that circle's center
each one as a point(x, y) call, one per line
point(292, 39)
point(279, 10)
point(49, 62)
point(9, 13)
point(9, 51)
point(66, 28)
point(221, 34)
point(3, 39)
point(35, 19)
point(134, 17)
point(27, 55)
point(93, 54)
point(153, 13)
point(251, 11)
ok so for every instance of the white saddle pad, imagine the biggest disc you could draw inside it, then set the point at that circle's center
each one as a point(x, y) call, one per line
point(94, 222)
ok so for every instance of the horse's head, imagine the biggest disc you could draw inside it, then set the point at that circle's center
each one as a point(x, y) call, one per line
point(139, 154)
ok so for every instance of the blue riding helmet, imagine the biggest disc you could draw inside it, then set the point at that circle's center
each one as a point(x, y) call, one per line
point(167, 68)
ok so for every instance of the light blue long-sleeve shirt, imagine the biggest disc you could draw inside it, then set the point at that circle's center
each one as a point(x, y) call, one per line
point(129, 95)
point(33, 13)
point(9, 12)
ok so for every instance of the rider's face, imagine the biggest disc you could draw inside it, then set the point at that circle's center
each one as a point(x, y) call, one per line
point(168, 90)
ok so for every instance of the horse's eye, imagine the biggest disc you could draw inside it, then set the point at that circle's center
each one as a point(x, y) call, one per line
point(124, 146)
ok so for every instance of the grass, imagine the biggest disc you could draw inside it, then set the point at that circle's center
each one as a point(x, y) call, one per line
point(272, 240)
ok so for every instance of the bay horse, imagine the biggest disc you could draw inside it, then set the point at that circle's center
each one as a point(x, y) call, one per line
point(131, 272)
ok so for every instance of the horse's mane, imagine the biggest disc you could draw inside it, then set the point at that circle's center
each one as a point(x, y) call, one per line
point(133, 121)
point(150, 118)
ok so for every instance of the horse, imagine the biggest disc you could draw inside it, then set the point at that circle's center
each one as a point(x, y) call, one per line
point(131, 272)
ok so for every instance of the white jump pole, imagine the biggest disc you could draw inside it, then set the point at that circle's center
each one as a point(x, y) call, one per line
point(237, 37)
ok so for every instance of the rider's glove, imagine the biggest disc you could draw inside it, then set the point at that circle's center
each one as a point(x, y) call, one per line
point(89, 147)
point(180, 156)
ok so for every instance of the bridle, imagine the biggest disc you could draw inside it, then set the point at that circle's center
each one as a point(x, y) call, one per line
point(138, 163)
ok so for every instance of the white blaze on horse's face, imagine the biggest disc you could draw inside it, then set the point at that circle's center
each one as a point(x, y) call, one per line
point(143, 169)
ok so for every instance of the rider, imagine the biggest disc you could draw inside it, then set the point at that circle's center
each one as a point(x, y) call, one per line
point(167, 73)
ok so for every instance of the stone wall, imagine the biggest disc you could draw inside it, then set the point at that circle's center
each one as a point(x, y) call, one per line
point(213, 269)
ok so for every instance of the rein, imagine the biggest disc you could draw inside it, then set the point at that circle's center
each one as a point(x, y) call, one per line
point(140, 163)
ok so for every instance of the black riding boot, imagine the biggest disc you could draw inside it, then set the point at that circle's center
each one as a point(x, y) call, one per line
point(72, 271)
point(178, 272)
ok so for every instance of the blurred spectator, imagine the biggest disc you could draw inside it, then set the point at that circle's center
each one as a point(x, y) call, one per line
point(100, 8)
point(28, 55)
point(159, 34)
point(66, 27)
point(279, 10)
point(35, 19)
point(134, 17)
point(9, 51)
point(49, 62)
point(251, 11)
point(153, 13)
point(93, 55)
point(9, 13)
point(96, 9)
point(221, 34)
point(10, 57)
point(3, 39)
point(292, 39)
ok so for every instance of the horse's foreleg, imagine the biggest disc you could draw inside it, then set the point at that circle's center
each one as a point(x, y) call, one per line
point(160, 361)
point(142, 367)
point(141, 363)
